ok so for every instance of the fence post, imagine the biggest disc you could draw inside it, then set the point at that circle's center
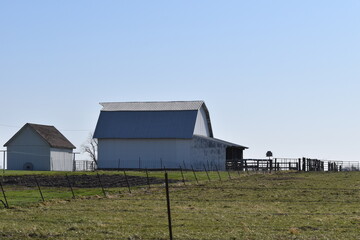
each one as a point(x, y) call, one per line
point(246, 167)
point(229, 174)
point(182, 175)
point(6, 202)
point(127, 182)
point(207, 173)
point(72, 191)
point(4, 162)
point(218, 172)
point(168, 205)
point(304, 164)
point(102, 187)
point(37, 183)
point(194, 175)
point(147, 177)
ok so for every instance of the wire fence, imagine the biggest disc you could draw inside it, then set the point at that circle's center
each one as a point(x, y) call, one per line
point(188, 199)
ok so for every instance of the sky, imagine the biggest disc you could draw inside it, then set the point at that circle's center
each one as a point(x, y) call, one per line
point(275, 75)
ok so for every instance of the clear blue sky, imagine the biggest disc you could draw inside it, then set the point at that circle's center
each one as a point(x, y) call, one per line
point(276, 75)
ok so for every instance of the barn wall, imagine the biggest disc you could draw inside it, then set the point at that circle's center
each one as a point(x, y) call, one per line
point(210, 154)
point(201, 125)
point(153, 153)
point(28, 147)
point(61, 159)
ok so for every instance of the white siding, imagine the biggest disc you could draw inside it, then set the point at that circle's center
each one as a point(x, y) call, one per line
point(61, 159)
point(156, 153)
point(201, 125)
point(28, 147)
point(207, 153)
point(153, 153)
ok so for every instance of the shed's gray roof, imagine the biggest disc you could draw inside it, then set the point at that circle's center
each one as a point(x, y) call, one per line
point(145, 124)
point(49, 133)
point(152, 106)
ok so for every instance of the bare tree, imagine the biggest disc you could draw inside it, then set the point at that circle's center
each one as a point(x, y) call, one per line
point(90, 147)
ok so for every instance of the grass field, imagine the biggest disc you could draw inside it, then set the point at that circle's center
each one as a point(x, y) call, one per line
point(285, 205)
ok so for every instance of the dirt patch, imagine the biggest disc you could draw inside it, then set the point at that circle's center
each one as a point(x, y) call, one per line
point(80, 181)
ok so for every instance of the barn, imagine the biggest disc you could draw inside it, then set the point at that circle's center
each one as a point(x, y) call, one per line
point(41, 148)
point(156, 135)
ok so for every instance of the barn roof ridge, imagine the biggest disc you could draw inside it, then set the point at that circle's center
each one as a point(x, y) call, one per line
point(153, 106)
point(49, 133)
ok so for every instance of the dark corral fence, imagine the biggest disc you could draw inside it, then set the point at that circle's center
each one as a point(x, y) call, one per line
point(297, 164)
point(334, 165)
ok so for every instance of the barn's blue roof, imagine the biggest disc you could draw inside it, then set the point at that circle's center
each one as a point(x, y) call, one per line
point(146, 124)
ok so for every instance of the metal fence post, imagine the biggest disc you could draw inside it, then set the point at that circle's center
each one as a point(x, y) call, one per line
point(102, 187)
point(207, 173)
point(218, 172)
point(182, 175)
point(194, 175)
point(127, 182)
point(168, 205)
point(147, 177)
point(6, 202)
point(37, 183)
point(68, 180)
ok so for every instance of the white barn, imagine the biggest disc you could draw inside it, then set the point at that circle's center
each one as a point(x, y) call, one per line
point(41, 148)
point(157, 135)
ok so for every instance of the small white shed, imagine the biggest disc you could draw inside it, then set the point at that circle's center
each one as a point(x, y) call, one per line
point(41, 148)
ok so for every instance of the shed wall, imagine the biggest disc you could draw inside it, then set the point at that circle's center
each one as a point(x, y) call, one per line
point(28, 147)
point(61, 159)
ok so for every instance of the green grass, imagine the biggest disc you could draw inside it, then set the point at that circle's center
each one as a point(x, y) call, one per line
point(284, 205)
point(24, 196)
point(172, 174)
